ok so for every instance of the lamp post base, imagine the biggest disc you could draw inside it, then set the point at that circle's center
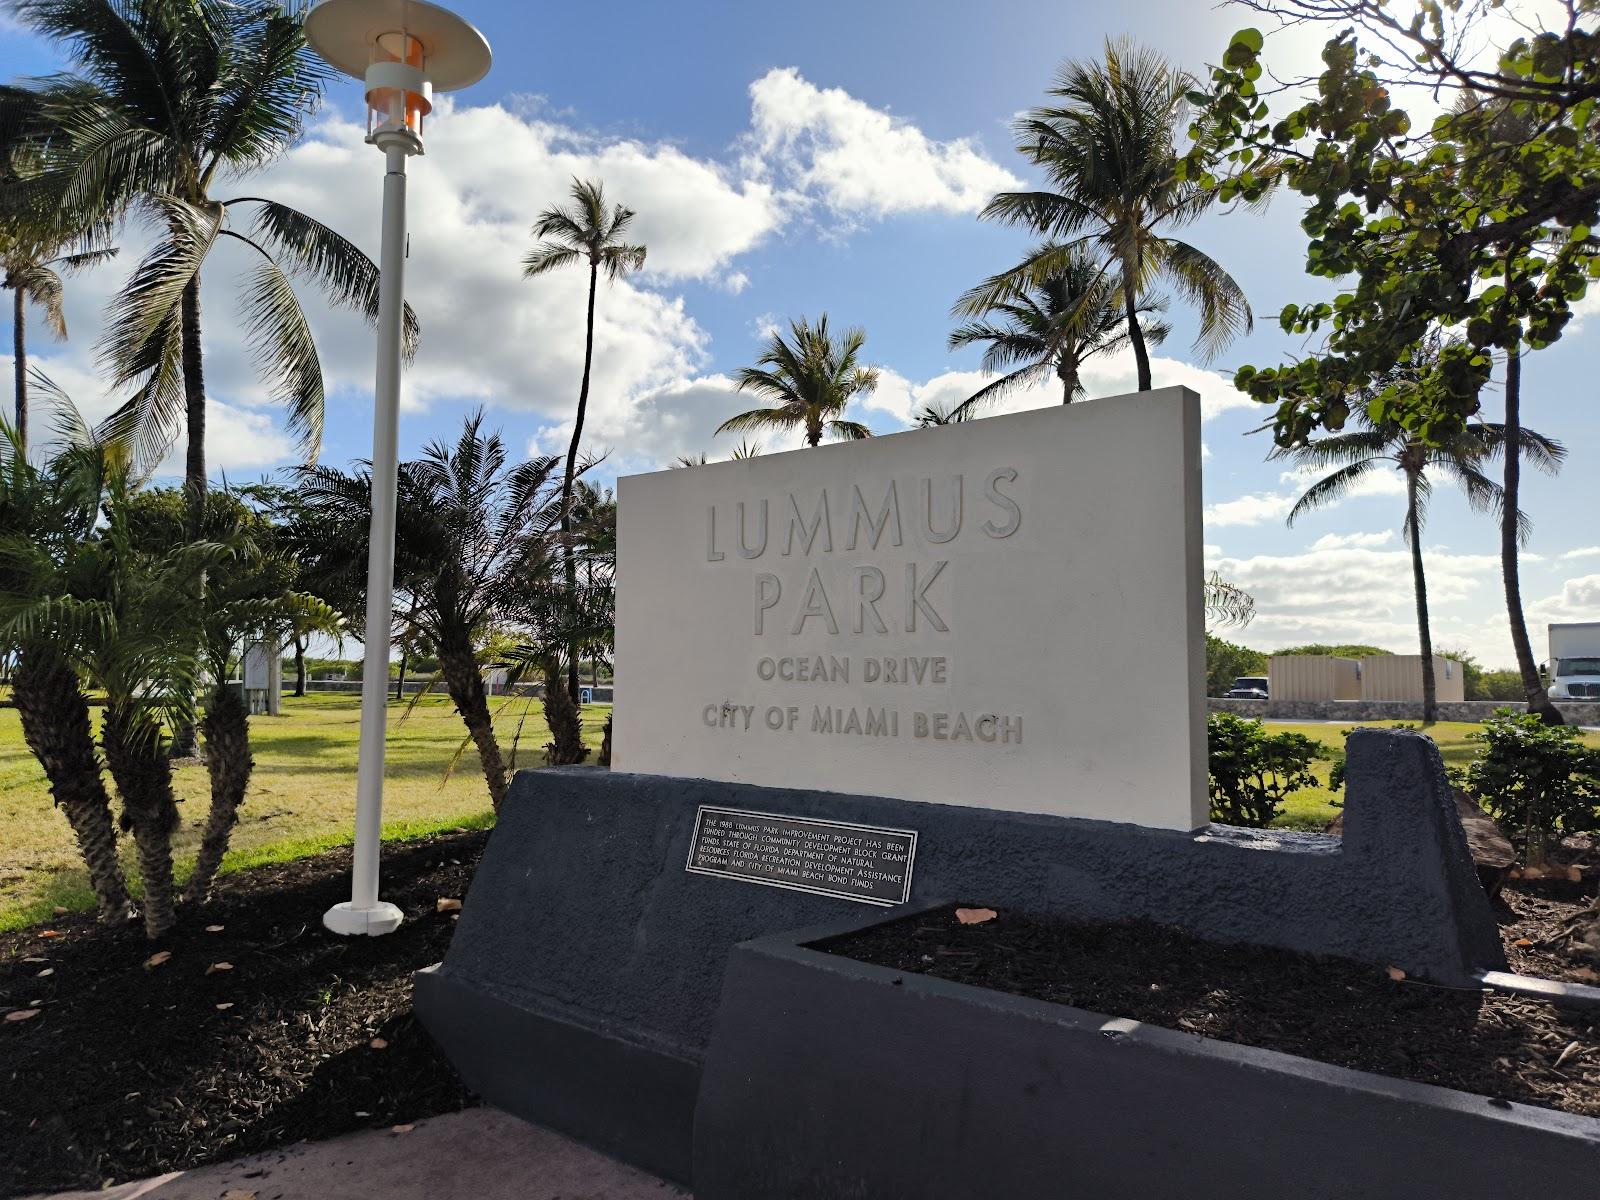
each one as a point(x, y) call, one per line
point(348, 920)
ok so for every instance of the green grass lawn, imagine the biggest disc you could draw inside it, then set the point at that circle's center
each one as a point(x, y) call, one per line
point(302, 795)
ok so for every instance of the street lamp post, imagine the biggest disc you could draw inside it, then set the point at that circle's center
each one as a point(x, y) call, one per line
point(404, 50)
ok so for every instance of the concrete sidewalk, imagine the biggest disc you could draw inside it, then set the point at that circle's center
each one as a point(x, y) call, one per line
point(480, 1154)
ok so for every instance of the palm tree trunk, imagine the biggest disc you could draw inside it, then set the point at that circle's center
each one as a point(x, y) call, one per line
point(565, 720)
point(19, 363)
point(229, 763)
point(55, 724)
point(569, 562)
point(814, 431)
point(299, 666)
point(143, 774)
point(400, 683)
point(194, 394)
point(1538, 698)
point(194, 471)
point(1130, 305)
point(464, 682)
point(1430, 689)
point(1067, 372)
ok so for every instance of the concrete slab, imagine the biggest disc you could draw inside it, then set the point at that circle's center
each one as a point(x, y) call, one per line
point(480, 1154)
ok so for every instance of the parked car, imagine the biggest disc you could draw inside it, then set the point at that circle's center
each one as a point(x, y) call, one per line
point(1249, 687)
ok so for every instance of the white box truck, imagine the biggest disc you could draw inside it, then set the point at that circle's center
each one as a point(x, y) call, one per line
point(1575, 661)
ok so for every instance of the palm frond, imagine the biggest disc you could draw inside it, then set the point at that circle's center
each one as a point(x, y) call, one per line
point(346, 276)
point(548, 256)
point(1330, 489)
point(146, 311)
point(283, 350)
point(1199, 278)
point(42, 286)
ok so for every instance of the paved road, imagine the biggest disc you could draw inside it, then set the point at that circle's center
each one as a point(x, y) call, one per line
point(480, 1154)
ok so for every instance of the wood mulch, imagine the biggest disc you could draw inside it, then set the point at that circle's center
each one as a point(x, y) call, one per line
point(131, 1070)
point(1339, 1012)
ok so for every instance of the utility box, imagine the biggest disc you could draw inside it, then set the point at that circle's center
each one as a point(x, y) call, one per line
point(263, 678)
point(1399, 677)
point(1313, 677)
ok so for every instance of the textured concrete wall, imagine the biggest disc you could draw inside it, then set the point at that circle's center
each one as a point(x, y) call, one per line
point(582, 893)
point(582, 984)
point(1242, 708)
point(941, 1091)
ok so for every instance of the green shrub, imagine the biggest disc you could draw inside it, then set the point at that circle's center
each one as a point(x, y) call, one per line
point(1539, 781)
point(1500, 685)
point(1252, 771)
point(1355, 650)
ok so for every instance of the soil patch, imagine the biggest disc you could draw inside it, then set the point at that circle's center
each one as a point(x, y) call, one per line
point(1337, 1011)
point(132, 1070)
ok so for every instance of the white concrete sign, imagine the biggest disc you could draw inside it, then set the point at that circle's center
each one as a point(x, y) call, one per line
point(1005, 613)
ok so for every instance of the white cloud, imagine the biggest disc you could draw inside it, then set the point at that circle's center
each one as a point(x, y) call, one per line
point(1364, 594)
point(1343, 541)
point(734, 282)
point(1580, 599)
point(862, 161)
point(1582, 552)
point(1248, 510)
point(902, 398)
point(1117, 374)
point(1260, 507)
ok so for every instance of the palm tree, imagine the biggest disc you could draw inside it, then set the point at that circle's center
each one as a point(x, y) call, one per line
point(594, 534)
point(585, 232)
point(1356, 454)
point(142, 654)
point(1109, 149)
point(811, 377)
point(170, 99)
point(473, 535)
point(46, 516)
point(1051, 325)
point(249, 596)
point(33, 273)
point(127, 619)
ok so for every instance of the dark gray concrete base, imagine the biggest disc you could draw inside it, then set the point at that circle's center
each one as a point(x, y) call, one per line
point(582, 985)
point(630, 1101)
point(942, 1091)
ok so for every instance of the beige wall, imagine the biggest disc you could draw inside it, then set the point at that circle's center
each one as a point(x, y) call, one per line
point(1399, 677)
point(1312, 677)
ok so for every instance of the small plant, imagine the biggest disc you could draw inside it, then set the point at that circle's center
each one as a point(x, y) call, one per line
point(1539, 780)
point(1252, 771)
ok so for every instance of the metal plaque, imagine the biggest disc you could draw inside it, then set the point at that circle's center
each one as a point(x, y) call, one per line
point(864, 863)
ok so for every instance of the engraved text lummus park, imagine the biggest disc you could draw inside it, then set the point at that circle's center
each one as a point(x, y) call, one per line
point(950, 618)
point(867, 608)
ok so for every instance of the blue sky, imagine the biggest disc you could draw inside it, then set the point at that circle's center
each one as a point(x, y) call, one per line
point(786, 160)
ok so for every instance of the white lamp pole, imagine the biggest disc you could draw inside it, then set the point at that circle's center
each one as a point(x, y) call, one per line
point(403, 50)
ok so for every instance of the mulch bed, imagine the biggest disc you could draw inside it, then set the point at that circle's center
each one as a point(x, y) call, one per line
point(130, 1071)
point(1333, 1010)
